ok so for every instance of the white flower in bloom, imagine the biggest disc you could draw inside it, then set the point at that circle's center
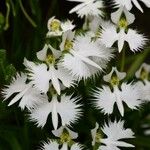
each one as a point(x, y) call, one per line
point(105, 97)
point(129, 4)
point(88, 7)
point(67, 39)
point(66, 136)
point(120, 75)
point(52, 145)
point(56, 27)
point(67, 25)
point(143, 72)
point(144, 85)
point(27, 95)
point(42, 54)
point(115, 132)
point(67, 108)
point(86, 57)
point(40, 76)
point(59, 132)
point(135, 40)
point(116, 16)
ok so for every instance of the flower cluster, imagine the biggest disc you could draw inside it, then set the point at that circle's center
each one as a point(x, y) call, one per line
point(70, 56)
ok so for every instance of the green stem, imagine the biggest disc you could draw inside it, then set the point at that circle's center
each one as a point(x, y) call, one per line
point(96, 146)
point(26, 15)
point(3, 69)
point(7, 17)
point(123, 60)
point(13, 8)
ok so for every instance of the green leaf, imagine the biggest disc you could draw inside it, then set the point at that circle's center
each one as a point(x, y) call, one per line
point(9, 72)
point(2, 21)
point(2, 54)
point(139, 59)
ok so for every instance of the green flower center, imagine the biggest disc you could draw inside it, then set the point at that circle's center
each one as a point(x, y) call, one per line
point(68, 45)
point(65, 137)
point(55, 25)
point(114, 81)
point(123, 23)
point(98, 137)
point(50, 59)
point(144, 74)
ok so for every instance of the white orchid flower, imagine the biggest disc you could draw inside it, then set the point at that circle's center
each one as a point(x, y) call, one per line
point(88, 7)
point(86, 57)
point(57, 28)
point(129, 4)
point(135, 40)
point(28, 96)
point(116, 16)
point(105, 97)
point(42, 76)
point(67, 108)
point(115, 132)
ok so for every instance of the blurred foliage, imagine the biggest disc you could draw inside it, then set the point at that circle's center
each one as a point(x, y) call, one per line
point(22, 33)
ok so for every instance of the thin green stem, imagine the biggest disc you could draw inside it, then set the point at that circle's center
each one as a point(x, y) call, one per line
point(96, 146)
point(7, 16)
point(2, 69)
point(26, 14)
point(13, 8)
point(123, 60)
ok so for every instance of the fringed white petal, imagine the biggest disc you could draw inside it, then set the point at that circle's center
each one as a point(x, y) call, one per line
point(76, 67)
point(65, 76)
point(131, 95)
point(32, 98)
point(120, 3)
point(40, 114)
point(76, 146)
point(50, 145)
point(86, 55)
point(119, 101)
point(129, 4)
point(68, 110)
point(27, 95)
point(40, 77)
point(109, 35)
point(88, 7)
point(18, 84)
point(104, 99)
point(135, 40)
point(67, 26)
point(115, 132)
